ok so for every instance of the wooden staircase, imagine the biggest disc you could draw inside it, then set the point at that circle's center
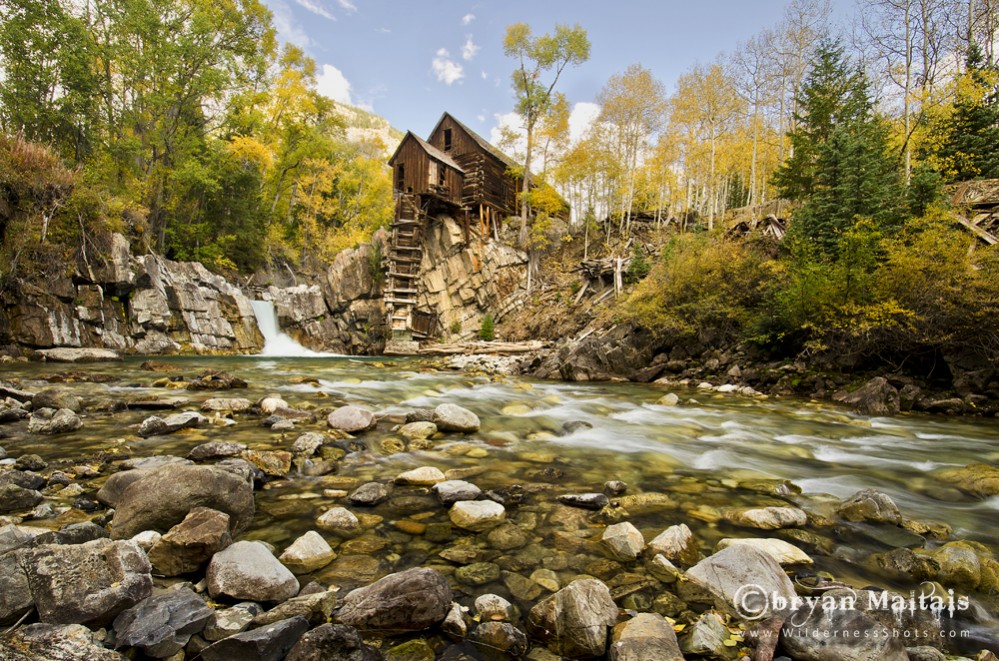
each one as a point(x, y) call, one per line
point(404, 259)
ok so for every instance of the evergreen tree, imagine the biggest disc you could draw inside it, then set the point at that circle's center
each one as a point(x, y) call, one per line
point(841, 168)
point(972, 131)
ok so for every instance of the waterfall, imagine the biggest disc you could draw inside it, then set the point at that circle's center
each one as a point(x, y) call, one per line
point(276, 343)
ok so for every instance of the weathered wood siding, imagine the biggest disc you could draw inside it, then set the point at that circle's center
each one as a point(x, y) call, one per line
point(418, 167)
point(486, 180)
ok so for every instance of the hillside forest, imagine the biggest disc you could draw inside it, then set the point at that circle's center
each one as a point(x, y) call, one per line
point(186, 127)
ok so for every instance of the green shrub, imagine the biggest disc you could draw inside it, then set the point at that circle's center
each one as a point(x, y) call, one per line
point(639, 266)
point(486, 330)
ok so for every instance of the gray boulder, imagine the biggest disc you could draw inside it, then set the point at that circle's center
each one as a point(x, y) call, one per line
point(161, 625)
point(52, 642)
point(216, 450)
point(333, 642)
point(876, 397)
point(270, 643)
point(574, 621)
point(187, 546)
point(451, 417)
point(721, 581)
point(157, 426)
point(307, 554)
point(622, 541)
point(870, 505)
point(645, 637)
point(14, 498)
point(51, 421)
point(248, 570)
point(351, 419)
point(15, 593)
point(162, 498)
point(87, 583)
point(410, 600)
point(369, 494)
point(56, 398)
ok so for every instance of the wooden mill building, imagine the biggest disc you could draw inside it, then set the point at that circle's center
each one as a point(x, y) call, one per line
point(457, 167)
point(456, 172)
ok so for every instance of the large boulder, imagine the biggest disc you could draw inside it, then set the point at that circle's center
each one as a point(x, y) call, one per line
point(269, 643)
point(87, 583)
point(187, 546)
point(575, 620)
point(78, 355)
point(410, 600)
point(677, 544)
point(162, 498)
point(52, 642)
point(622, 541)
point(14, 498)
point(876, 397)
point(161, 625)
point(741, 580)
point(15, 593)
point(248, 570)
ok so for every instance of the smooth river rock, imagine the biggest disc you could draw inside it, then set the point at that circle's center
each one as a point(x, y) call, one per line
point(351, 419)
point(451, 491)
point(769, 518)
point(307, 554)
point(156, 426)
point(51, 421)
point(676, 544)
point(454, 418)
point(870, 505)
point(160, 499)
point(248, 570)
point(477, 515)
point(269, 643)
point(622, 541)
point(783, 552)
point(410, 600)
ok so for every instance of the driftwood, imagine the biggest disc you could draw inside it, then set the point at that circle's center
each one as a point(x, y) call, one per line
point(769, 226)
point(980, 202)
point(491, 348)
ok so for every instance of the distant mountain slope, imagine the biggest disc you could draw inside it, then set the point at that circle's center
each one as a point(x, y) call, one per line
point(363, 126)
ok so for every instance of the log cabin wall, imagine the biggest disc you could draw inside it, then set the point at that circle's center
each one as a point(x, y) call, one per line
point(487, 181)
point(417, 172)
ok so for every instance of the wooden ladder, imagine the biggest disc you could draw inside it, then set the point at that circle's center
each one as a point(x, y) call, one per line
point(404, 259)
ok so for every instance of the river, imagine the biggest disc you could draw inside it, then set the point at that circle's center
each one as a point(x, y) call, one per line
point(710, 452)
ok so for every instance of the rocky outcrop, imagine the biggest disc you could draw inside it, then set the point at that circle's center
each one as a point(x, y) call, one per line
point(145, 304)
point(621, 351)
point(462, 281)
point(353, 293)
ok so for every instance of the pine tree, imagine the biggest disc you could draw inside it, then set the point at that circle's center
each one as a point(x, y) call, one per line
point(972, 131)
point(841, 168)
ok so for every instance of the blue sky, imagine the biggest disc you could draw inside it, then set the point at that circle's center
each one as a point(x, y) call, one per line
point(409, 61)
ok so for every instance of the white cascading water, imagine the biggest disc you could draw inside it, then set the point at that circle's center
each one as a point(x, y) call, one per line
point(276, 343)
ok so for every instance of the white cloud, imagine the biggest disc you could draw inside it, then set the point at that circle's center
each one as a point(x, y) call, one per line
point(347, 5)
point(485, 75)
point(467, 18)
point(470, 48)
point(317, 8)
point(481, 117)
point(332, 83)
point(288, 29)
point(447, 70)
point(581, 118)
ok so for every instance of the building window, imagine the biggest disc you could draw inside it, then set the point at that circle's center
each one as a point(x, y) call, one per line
point(447, 139)
point(400, 177)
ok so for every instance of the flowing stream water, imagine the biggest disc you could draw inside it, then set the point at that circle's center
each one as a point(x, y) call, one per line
point(710, 452)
